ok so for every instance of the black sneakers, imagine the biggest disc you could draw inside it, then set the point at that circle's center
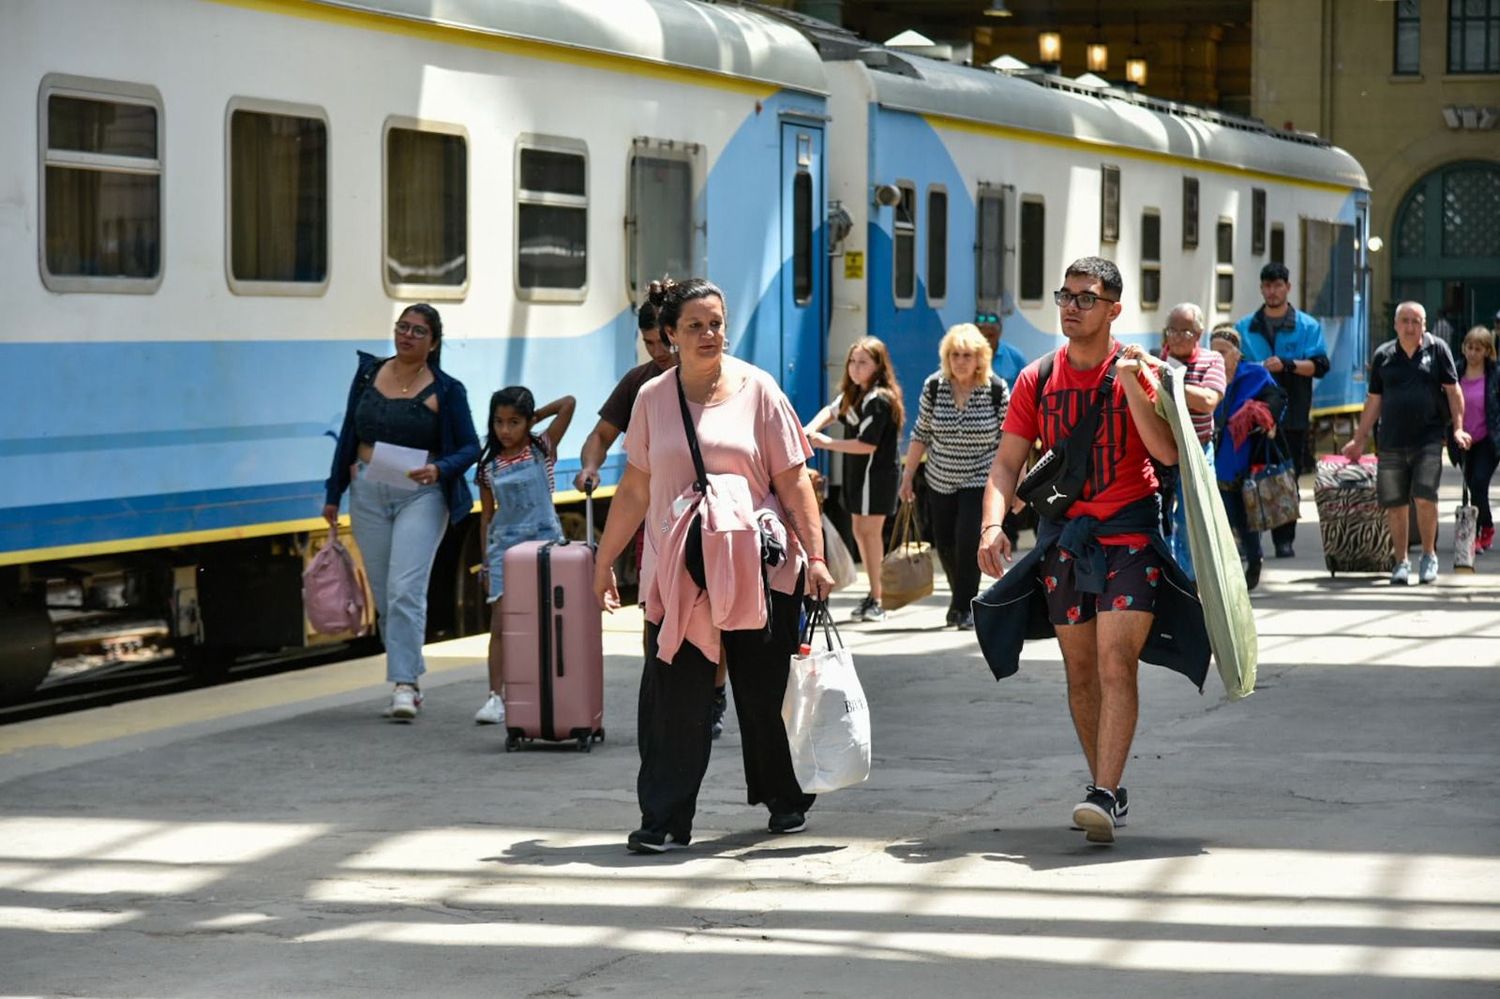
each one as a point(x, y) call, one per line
point(716, 720)
point(965, 620)
point(868, 610)
point(1097, 815)
point(1252, 574)
point(787, 822)
point(654, 841)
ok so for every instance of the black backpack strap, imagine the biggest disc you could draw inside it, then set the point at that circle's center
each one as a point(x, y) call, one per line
point(932, 390)
point(692, 435)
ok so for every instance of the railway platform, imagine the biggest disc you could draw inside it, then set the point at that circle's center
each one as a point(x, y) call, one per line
point(1336, 834)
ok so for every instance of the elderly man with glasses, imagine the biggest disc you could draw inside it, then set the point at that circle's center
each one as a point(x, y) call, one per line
point(1203, 384)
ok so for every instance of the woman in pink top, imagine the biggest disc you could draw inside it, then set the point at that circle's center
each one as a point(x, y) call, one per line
point(1480, 383)
point(745, 426)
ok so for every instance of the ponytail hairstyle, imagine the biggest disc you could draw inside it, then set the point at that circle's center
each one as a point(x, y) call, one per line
point(668, 297)
point(435, 325)
point(520, 399)
point(885, 379)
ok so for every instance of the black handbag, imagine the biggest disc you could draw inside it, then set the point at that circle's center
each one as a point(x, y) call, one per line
point(1057, 479)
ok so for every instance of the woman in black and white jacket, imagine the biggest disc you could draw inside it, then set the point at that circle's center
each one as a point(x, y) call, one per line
point(958, 429)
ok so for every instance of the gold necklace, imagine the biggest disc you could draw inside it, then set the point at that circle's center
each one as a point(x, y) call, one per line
point(412, 381)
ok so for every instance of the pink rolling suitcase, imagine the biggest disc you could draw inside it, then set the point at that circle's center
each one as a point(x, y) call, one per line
point(552, 634)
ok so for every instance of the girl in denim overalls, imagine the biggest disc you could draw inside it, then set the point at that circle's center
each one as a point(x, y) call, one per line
point(515, 495)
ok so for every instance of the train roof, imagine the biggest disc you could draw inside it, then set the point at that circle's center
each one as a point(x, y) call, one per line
point(1055, 106)
point(719, 40)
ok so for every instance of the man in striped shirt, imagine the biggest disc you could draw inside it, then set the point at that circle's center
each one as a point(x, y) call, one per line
point(1203, 384)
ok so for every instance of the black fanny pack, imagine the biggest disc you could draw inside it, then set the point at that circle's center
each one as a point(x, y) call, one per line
point(1057, 479)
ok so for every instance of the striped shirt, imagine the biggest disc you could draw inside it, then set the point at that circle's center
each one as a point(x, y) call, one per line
point(491, 469)
point(1205, 369)
point(960, 443)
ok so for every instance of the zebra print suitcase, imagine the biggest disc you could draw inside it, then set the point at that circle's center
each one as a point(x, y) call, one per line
point(1355, 535)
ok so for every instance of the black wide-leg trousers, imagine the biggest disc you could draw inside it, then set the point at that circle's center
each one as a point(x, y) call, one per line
point(675, 711)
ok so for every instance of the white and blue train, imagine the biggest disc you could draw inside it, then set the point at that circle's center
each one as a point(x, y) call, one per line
point(206, 207)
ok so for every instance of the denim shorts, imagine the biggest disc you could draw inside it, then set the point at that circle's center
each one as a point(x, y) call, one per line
point(1407, 473)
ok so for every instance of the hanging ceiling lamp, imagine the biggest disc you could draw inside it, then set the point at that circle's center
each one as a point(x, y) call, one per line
point(1097, 53)
point(1135, 66)
point(1049, 46)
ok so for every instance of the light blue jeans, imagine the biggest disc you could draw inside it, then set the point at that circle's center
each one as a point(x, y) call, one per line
point(398, 533)
point(1178, 542)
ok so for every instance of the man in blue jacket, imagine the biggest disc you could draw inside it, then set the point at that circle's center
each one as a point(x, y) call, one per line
point(1290, 344)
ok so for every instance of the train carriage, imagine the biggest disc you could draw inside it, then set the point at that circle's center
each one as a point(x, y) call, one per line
point(979, 187)
point(224, 200)
point(209, 205)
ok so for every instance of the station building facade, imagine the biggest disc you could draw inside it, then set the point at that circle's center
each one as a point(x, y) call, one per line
point(1412, 89)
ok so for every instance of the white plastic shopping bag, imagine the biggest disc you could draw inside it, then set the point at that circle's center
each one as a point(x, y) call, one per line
point(827, 718)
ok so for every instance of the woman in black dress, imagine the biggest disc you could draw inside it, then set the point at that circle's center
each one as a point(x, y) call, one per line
point(869, 407)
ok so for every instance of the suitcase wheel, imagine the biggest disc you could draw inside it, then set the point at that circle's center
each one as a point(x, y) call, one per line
point(512, 744)
point(599, 735)
point(585, 745)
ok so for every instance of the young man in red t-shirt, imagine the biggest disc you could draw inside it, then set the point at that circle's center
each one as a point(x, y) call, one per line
point(1101, 634)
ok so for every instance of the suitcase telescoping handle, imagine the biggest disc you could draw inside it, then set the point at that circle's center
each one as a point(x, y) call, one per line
point(588, 513)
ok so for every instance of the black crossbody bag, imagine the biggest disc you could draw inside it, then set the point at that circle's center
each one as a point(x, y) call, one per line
point(1057, 479)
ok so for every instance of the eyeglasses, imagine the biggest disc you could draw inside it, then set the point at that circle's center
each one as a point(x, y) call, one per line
point(962, 353)
point(413, 330)
point(987, 317)
point(1085, 300)
point(1175, 331)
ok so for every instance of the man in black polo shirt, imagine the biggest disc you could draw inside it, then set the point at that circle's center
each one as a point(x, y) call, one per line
point(1409, 377)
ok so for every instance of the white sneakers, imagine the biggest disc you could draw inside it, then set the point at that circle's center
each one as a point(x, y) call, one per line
point(493, 712)
point(406, 700)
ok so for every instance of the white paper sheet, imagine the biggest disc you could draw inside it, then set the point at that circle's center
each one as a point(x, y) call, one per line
point(390, 462)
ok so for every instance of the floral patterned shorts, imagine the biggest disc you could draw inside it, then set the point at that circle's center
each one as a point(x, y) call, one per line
point(1132, 581)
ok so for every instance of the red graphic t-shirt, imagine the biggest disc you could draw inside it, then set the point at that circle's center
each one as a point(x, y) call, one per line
point(1120, 472)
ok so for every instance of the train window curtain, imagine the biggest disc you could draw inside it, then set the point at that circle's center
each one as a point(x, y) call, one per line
point(278, 201)
point(103, 178)
point(427, 208)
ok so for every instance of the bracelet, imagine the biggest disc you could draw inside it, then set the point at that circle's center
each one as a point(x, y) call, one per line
point(816, 558)
point(986, 527)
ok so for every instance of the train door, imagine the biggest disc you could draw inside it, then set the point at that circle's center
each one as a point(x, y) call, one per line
point(804, 285)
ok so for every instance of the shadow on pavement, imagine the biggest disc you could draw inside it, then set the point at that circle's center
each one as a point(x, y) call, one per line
point(1042, 848)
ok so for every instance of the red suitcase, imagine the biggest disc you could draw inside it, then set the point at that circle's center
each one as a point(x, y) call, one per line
point(552, 636)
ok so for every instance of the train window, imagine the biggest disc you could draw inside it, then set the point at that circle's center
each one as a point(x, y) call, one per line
point(1150, 258)
point(1109, 203)
point(989, 250)
point(101, 224)
point(426, 210)
point(1257, 221)
point(278, 200)
point(659, 218)
point(1328, 268)
point(552, 215)
point(1224, 269)
point(904, 236)
point(802, 237)
point(1033, 243)
point(1278, 243)
point(937, 245)
point(1189, 213)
